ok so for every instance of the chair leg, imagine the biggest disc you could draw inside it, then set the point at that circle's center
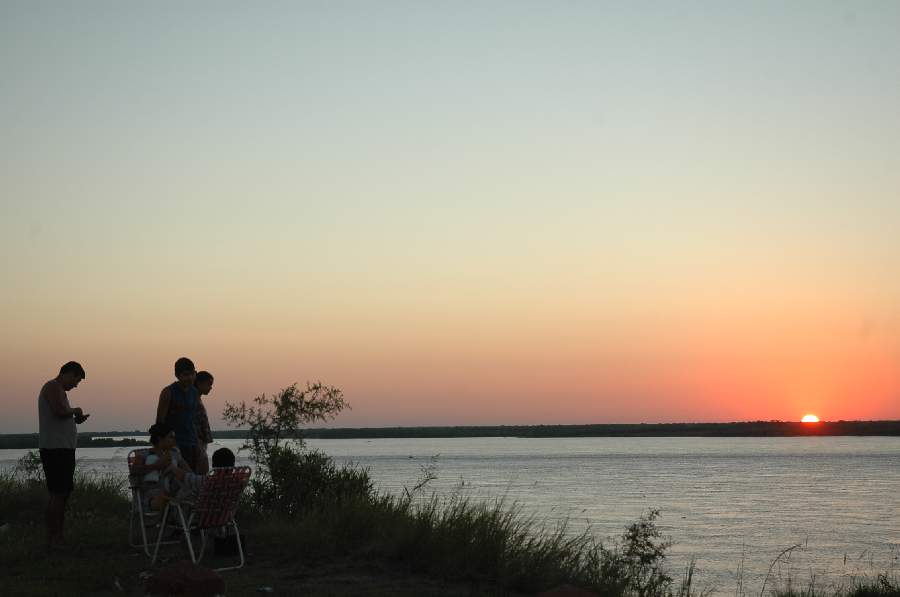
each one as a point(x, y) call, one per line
point(137, 513)
point(187, 532)
point(162, 529)
point(131, 526)
point(202, 544)
point(237, 537)
point(133, 540)
point(143, 527)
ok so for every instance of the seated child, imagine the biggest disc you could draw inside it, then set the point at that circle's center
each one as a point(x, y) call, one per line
point(159, 466)
point(190, 483)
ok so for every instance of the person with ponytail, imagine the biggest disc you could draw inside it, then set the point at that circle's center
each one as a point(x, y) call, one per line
point(204, 384)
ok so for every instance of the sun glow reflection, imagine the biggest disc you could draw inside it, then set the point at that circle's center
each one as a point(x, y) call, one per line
point(809, 419)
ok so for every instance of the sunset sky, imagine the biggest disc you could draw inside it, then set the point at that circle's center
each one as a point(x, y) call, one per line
point(458, 213)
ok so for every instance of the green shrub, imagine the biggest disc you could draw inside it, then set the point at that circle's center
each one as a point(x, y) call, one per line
point(300, 480)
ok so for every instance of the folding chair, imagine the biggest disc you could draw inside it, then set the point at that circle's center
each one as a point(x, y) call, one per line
point(215, 507)
point(144, 518)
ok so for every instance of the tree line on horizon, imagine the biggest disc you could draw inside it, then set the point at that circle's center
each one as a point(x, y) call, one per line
point(737, 429)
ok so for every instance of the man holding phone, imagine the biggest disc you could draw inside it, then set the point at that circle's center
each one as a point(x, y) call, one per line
point(57, 441)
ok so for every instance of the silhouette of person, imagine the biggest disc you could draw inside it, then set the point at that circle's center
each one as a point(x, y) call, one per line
point(177, 408)
point(57, 440)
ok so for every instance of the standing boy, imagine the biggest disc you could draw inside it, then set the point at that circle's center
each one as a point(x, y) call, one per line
point(57, 440)
point(178, 408)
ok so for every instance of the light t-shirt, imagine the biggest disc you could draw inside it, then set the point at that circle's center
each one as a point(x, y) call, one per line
point(55, 432)
point(154, 477)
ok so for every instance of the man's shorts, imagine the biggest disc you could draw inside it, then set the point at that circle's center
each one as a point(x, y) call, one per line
point(59, 469)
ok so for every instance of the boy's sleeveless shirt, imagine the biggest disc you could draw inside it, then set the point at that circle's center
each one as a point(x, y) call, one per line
point(182, 409)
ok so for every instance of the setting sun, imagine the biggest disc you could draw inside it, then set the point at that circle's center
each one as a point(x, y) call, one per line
point(809, 419)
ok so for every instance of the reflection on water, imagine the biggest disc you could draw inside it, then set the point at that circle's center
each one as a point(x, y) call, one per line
point(723, 500)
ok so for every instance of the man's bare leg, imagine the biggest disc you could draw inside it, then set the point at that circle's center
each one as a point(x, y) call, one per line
point(49, 519)
point(55, 517)
point(54, 534)
point(62, 518)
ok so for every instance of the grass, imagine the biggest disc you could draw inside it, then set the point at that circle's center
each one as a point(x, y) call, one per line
point(281, 554)
point(364, 543)
point(97, 517)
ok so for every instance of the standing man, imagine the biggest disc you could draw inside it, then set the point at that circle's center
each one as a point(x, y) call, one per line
point(57, 440)
point(178, 408)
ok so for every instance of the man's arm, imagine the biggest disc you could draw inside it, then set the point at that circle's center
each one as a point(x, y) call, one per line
point(55, 396)
point(162, 409)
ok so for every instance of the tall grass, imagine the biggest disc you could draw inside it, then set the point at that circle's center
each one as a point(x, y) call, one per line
point(486, 543)
point(95, 496)
point(881, 586)
point(315, 508)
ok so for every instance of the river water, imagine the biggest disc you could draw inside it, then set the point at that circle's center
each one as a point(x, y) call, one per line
point(731, 504)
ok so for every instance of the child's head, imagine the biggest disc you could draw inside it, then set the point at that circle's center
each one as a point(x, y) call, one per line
point(185, 370)
point(162, 436)
point(223, 458)
point(204, 382)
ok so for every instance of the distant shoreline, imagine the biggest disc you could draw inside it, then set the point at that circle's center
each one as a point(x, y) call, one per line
point(29, 441)
point(741, 429)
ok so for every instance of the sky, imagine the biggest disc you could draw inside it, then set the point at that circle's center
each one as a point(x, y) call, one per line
point(457, 212)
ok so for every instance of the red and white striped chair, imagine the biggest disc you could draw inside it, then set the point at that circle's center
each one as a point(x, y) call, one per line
point(214, 508)
point(141, 516)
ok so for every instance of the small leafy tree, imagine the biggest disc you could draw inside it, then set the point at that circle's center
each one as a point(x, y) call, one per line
point(636, 565)
point(279, 417)
point(288, 478)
